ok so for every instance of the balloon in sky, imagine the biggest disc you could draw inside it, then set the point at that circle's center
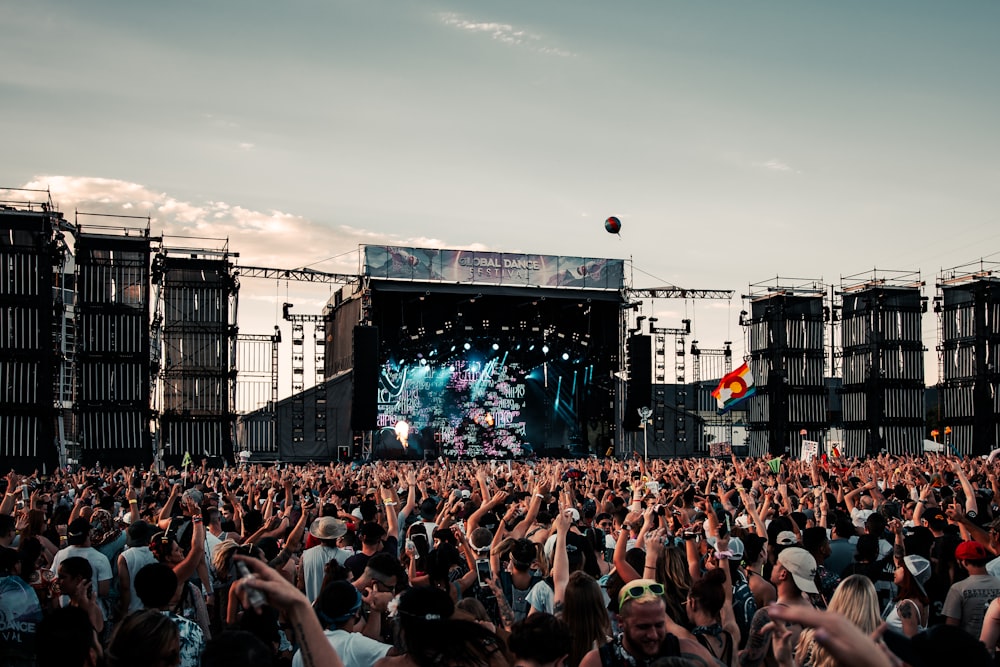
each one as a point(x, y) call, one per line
point(613, 225)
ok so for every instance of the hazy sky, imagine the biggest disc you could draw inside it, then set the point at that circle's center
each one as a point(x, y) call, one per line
point(737, 141)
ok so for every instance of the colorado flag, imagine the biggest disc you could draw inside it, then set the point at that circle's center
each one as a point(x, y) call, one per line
point(734, 387)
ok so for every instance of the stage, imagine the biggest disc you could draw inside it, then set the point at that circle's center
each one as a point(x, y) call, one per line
point(485, 354)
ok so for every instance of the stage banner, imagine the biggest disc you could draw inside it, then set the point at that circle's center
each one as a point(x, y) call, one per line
point(493, 268)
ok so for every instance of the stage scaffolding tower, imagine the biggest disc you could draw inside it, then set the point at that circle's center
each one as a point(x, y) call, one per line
point(678, 410)
point(298, 403)
point(257, 392)
point(113, 341)
point(883, 363)
point(718, 363)
point(968, 307)
point(787, 356)
point(199, 301)
point(32, 255)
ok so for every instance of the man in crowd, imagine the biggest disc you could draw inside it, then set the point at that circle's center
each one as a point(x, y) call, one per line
point(325, 529)
point(339, 608)
point(794, 575)
point(967, 600)
point(642, 616)
point(78, 538)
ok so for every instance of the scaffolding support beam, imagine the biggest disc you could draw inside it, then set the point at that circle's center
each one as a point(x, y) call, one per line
point(301, 275)
point(671, 292)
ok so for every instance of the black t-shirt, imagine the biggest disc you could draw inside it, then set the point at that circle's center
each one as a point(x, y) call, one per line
point(359, 561)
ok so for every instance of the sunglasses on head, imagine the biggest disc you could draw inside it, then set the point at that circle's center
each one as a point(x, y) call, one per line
point(637, 591)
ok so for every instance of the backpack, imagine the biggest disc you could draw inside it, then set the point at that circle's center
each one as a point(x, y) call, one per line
point(744, 607)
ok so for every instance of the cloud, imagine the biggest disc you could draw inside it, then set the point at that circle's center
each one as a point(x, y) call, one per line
point(776, 165)
point(246, 146)
point(262, 238)
point(504, 33)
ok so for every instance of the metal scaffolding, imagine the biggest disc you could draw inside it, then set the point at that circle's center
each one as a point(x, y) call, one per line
point(199, 297)
point(257, 392)
point(968, 307)
point(708, 366)
point(787, 356)
point(112, 352)
point(883, 363)
point(31, 255)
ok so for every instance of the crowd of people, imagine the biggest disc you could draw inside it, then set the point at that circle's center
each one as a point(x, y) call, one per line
point(594, 562)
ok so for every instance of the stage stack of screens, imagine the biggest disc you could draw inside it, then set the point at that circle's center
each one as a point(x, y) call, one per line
point(969, 310)
point(113, 360)
point(199, 335)
point(28, 260)
point(883, 366)
point(787, 361)
point(493, 355)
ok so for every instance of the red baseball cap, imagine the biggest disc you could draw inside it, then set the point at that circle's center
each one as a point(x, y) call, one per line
point(971, 551)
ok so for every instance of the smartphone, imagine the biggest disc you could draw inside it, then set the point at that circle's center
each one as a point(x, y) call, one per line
point(410, 546)
point(25, 493)
point(483, 572)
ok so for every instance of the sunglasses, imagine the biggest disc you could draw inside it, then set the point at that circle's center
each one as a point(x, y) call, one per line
point(637, 591)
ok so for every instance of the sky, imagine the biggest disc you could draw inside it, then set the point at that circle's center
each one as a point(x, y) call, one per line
point(738, 142)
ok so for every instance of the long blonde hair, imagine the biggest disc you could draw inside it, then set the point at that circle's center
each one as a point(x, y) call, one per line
point(222, 557)
point(855, 599)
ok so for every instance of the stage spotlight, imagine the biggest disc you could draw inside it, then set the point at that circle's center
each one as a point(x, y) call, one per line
point(565, 356)
point(423, 362)
point(496, 346)
point(402, 433)
point(467, 346)
point(452, 348)
point(531, 347)
point(545, 349)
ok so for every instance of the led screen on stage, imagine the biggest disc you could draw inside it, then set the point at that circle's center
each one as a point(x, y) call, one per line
point(477, 406)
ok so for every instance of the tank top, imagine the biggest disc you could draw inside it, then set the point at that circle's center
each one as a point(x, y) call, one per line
point(136, 558)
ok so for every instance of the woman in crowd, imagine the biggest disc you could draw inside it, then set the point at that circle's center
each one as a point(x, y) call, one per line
point(431, 638)
point(577, 598)
point(146, 638)
point(710, 611)
point(35, 528)
point(585, 613)
point(908, 612)
point(856, 600)
point(188, 602)
point(669, 565)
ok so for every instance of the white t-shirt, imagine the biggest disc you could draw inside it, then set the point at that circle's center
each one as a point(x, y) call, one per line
point(354, 649)
point(314, 562)
point(98, 562)
point(993, 568)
